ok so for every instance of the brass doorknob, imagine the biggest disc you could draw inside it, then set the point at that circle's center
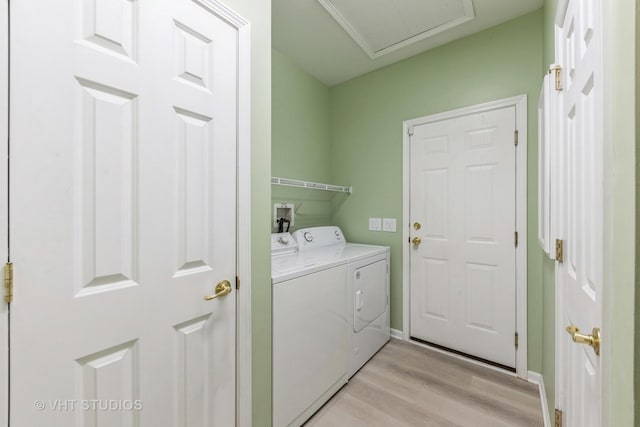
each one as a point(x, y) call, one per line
point(416, 241)
point(593, 339)
point(222, 288)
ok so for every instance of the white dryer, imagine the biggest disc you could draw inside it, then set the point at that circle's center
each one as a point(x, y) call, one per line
point(367, 289)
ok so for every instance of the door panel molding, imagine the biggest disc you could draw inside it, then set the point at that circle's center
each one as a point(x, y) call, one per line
point(520, 104)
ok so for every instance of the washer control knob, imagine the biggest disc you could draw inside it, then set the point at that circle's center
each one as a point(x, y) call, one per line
point(308, 236)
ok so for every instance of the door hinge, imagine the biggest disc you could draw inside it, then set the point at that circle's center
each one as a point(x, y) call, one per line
point(237, 283)
point(515, 238)
point(557, 70)
point(516, 340)
point(410, 130)
point(515, 137)
point(8, 282)
point(558, 418)
point(559, 250)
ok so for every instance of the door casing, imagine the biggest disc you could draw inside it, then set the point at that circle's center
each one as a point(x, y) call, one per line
point(243, 268)
point(520, 103)
point(4, 211)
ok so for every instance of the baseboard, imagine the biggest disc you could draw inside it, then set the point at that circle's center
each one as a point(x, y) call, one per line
point(536, 378)
point(396, 333)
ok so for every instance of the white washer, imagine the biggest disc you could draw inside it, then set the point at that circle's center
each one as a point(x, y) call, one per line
point(368, 289)
point(309, 329)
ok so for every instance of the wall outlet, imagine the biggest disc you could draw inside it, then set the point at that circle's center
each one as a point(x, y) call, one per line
point(389, 224)
point(375, 224)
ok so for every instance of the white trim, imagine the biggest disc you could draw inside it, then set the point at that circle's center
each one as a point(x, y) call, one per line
point(4, 242)
point(468, 15)
point(243, 313)
point(243, 220)
point(397, 334)
point(559, 230)
point(223, 12)
point(520, 104)
point(536, 378)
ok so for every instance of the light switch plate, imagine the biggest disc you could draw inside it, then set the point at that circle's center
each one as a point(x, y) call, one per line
point(375, 224)
point(389, 224)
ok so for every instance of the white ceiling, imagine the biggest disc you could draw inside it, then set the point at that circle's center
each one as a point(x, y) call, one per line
point(375, 33)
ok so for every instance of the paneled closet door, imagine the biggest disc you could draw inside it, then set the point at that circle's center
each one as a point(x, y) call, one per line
point(123, 207)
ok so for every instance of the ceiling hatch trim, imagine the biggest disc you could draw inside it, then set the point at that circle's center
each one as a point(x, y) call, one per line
point(467, 14)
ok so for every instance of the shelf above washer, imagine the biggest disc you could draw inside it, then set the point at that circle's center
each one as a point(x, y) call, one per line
point(308, 184)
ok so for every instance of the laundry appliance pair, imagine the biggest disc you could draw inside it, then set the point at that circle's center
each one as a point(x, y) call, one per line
point(330, 316)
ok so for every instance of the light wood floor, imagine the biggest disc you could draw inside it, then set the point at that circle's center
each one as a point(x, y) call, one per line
point(407, 385)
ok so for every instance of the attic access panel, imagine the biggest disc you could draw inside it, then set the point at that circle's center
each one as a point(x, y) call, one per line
point(382, 26)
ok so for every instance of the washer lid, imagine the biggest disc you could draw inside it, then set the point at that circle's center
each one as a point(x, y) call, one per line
point(289, 266)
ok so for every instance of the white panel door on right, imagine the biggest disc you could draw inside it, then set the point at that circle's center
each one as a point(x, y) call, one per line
point(579, 277)
point(463, 272)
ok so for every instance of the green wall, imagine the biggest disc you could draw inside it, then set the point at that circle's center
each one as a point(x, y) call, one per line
point(620, 215)
point(258, 13)
point(636, 371)
point(367, 115)
point(548, 265)
point(301, 146)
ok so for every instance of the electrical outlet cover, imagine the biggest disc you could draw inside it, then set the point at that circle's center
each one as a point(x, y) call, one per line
point(389, 224)
point(375, 224)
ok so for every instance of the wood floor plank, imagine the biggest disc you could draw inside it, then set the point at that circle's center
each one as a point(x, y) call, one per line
point(407, 385)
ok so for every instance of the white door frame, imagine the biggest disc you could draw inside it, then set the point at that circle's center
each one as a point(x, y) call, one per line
point(243, 247)
point(520, 104)
point(4, 240)
point(243, 268)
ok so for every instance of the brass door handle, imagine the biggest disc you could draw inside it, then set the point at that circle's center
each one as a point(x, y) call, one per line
point(593, 339)
point(416, 241)
point(222, 288)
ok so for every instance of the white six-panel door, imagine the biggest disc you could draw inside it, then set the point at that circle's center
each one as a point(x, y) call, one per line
point(579, 278)
point(123, 207)
point(463, 196)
